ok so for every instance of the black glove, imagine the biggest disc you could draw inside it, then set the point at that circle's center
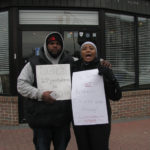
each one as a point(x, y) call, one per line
point(107, 74)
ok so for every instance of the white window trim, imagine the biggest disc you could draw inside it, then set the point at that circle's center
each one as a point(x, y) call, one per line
point(58, 17)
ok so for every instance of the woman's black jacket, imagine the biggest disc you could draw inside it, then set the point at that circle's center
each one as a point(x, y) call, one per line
point(111, 86)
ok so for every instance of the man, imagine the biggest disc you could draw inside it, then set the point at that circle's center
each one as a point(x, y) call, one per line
point(49, 119)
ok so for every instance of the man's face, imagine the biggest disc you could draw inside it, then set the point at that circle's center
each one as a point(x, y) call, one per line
point(54, 48)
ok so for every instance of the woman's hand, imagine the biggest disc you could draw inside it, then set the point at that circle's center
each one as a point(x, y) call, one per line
point(107, 73)
point(105, 63)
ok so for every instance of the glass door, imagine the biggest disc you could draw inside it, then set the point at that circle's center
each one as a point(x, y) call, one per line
point(32, 41)
point(74, 39)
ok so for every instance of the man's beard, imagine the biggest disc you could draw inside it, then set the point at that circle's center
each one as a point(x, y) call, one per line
point(54, 55)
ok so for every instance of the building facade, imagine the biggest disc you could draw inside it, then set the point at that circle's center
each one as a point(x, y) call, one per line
point(120, 29)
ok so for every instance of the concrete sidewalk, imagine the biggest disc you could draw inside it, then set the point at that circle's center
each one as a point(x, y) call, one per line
point(125, 135)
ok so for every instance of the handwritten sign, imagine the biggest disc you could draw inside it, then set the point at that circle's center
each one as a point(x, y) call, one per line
point(55, 78)
point(88, 98)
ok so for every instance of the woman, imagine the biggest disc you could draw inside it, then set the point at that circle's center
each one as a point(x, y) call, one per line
point(96, 137)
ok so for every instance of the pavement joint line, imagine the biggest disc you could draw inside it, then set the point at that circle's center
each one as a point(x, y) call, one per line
point(130, 119)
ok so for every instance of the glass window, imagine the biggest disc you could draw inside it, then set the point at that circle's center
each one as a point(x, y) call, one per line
point(120, 42)
point(58, 17)
point(144, 50)
point(4, 53)
point(32, 41)
point(71, 41)
point(74, 39)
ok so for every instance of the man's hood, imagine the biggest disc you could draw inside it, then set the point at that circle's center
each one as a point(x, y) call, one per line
point(48, 56)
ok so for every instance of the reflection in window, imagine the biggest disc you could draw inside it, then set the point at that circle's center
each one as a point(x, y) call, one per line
point(74, 39)
point(4, 54)
point(31, 41)
point(144, 50)
point(71, 42)
point(119, 35)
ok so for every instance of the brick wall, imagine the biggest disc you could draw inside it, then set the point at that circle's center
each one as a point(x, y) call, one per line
point(8, 110)
point(133, 104)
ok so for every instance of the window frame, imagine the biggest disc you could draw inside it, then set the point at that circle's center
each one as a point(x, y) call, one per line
point(136, 55)
point(142, 86)
point(14, 44)
point(9, 55)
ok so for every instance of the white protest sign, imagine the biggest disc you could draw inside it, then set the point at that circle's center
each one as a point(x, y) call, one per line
point(55, 78)
point(88, 98)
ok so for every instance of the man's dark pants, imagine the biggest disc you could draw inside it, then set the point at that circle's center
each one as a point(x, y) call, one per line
point(43, 137)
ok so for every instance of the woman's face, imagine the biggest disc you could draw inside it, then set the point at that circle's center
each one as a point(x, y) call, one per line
point(88, 52)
